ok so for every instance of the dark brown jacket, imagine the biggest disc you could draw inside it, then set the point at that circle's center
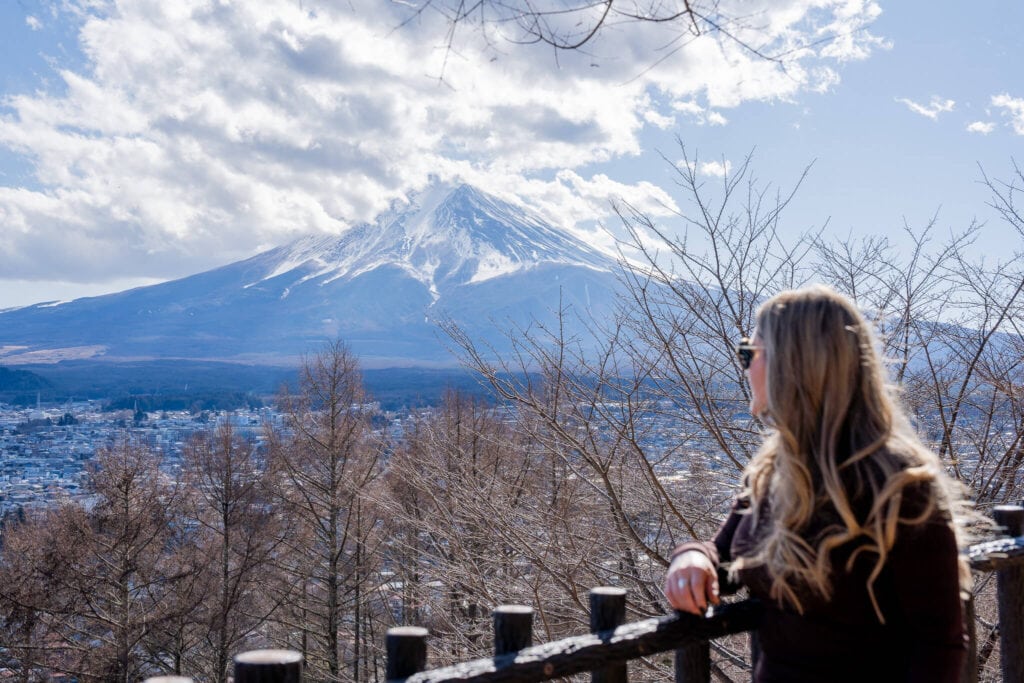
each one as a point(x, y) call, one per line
point(842, 639)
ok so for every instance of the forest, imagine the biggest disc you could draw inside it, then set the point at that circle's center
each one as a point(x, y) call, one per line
point(593, 464)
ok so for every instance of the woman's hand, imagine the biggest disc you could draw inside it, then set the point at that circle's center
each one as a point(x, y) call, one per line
point(691, 583)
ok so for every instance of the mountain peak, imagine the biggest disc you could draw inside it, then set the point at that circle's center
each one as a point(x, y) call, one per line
point(442, 236)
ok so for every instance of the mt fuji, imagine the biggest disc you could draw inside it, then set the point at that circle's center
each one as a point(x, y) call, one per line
point(449, 253)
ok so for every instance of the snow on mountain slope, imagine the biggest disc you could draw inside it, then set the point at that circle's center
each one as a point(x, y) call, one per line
point(442, 237)
point(452, 253)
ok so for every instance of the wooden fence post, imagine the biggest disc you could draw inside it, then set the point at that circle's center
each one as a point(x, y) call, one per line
point(693, 662)
point(513, 628)
point(607, 611)
point(406, 651)
point(1010, 592)
point(970, 673)
point(268, 666)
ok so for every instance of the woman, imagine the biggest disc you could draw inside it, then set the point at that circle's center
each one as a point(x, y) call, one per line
point(844, 526)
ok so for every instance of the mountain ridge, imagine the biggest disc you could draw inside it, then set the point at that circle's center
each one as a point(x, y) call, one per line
point(382, 287)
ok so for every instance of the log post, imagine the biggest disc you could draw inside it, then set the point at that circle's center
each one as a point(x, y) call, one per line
point(755, 651)
point(406, 651)
point(970, 672)
point(513, 628)
point(693, 662)
point(268, 666)
point(607, 611)
point(1010, 592)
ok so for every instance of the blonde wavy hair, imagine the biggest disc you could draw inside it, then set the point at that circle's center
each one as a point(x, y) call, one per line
point(839, 444)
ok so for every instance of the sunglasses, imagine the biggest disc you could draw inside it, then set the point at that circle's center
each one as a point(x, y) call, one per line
point(746, 351)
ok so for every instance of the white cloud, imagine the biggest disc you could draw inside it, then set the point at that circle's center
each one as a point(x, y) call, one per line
point(850, 18)
point(983, 127)
point(659, 120)
point(716, 119)
point(935, 106)
point(698, 114)
point(712, 169)
point(199, 130)
point(686, 164)
point(715, 169)
point(689, 107)
point(599, 190)
point(33, 23)
point(1012, 107)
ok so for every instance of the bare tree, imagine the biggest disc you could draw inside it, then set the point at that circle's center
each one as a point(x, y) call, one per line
point(1006, 196)
point(951, 329)
point(236, 535)
point(470, 511)
point(27, 593)
point(322, 468)
point(106, 575)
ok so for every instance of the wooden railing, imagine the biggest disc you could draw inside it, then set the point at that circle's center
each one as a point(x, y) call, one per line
point(611, 642)
point(604, 651)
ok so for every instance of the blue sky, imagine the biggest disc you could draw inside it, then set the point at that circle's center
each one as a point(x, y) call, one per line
point(142, 140)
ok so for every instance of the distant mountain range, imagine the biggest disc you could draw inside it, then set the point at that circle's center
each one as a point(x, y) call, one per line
point(453, 253)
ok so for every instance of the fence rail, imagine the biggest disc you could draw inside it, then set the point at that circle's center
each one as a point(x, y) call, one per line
point(611, 643)
point(592, 652)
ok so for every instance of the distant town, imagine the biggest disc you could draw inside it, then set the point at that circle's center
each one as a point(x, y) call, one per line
point(44, 451)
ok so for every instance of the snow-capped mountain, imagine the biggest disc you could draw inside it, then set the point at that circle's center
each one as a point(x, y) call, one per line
point(444, 238)
point(448, 253)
